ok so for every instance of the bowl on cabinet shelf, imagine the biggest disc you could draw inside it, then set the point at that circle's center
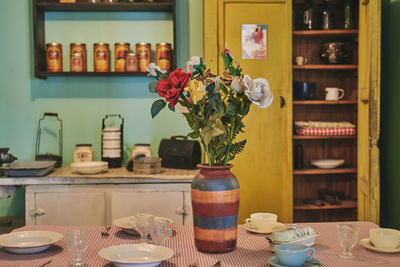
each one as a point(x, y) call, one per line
point(327, 163)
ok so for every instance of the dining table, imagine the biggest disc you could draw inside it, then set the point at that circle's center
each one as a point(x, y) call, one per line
point(252, 248)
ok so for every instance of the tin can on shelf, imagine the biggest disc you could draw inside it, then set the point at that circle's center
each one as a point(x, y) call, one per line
point(54, 57)
point(143, 52)
point(131, 62)
point(121, 51)
point(101, 57)
point(81, 48)
point(76, 62)
point(163, 56)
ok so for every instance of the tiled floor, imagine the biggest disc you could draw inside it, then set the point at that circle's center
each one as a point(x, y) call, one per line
point(7, 224)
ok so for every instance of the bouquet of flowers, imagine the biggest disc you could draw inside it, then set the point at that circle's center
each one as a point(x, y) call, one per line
point(214, 106)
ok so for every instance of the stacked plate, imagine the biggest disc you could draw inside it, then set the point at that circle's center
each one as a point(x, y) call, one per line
point(111, 146)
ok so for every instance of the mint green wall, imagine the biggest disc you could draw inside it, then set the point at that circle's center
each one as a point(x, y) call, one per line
point(82, 102)
point(390, 119)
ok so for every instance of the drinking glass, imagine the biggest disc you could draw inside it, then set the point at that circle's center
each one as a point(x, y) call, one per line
point(347, 235)
point(77, 243)
point(160, 231)
point(142, 223)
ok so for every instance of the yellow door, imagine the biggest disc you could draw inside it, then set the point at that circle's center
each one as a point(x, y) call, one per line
point(264, 168)
point(368, 110)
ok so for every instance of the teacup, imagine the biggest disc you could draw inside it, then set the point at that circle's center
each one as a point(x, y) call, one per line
point(293, 254)
point(301, 60)
point(262, 220)
point(333, 93)
point(385, 238)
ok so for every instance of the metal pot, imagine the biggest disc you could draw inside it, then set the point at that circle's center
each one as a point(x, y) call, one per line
point(334, 52)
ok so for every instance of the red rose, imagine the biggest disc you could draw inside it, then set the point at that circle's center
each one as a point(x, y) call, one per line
point(172, 87)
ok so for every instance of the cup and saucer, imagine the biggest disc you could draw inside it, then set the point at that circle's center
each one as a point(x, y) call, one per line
point(263, 223)
point(382, 240)
point(293, 255)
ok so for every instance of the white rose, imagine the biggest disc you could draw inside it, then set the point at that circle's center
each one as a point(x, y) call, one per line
point(238, 85)
point(258, 91)
point(194, 60)
point(151, 68)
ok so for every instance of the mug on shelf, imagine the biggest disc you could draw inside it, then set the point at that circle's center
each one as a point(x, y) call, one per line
point(333, 93)
point(300, 60)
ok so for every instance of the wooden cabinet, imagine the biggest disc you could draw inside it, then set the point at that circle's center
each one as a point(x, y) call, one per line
point(101, 204)
point(267, 179)
point(41, 8)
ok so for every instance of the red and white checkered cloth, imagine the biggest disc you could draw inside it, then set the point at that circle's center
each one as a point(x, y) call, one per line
point(326, 131)
point(252, 249)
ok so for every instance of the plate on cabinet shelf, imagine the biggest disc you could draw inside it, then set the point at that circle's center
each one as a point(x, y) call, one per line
point(327, 163)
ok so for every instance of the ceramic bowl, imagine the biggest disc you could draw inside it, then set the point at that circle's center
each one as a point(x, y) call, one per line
point(327, 163)
point(90, 167)
point(385, 238)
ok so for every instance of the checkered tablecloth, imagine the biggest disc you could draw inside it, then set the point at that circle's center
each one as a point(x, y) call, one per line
point(326, 131)
point(252, 249)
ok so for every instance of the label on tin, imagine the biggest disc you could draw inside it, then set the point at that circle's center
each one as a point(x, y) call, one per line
point(101, 61)
point(143, 54)
point(120, 57)
point(76, 62)
point(131, 63)
point(54, 59)
point(163, 59)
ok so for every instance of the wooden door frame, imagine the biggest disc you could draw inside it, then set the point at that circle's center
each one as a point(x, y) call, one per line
point(213, 44)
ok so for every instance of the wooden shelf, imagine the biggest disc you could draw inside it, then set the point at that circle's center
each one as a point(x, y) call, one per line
point(103, 6)
point(324, 171)
point(45, 74)
point(302, 137)
point(324, 102)
point(325, 67)
point(346, 204)
point(326, 33)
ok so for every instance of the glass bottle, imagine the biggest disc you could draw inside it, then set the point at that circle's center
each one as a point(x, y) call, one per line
point(309, 18)
point(349, 14)
point(298, 153)
point(327, 15)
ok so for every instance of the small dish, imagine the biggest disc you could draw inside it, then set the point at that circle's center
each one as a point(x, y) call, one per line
point(136, 255)
point(90, 167)
point(123, 224)
point(277, 227)
point(366, 242)
point(327, 163)
point(313, 263)
point(29, 242)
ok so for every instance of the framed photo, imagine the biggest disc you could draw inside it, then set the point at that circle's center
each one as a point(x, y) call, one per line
point(254, 41)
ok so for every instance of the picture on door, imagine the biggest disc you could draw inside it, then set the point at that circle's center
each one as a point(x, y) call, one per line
point(254, 41)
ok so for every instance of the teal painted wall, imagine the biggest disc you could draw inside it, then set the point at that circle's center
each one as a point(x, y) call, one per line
point(390, 119)
point(82, 102)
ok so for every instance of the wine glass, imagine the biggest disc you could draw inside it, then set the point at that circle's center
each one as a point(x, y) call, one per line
point(141, 223)
point(160, 231)
point(77, 243)
point(347, 235)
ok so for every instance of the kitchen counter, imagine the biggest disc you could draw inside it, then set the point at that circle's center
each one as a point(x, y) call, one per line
point(65, 176)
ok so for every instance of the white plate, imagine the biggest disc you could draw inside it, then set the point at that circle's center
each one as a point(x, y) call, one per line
point(327, 163)
point(123, 223)
point(143, 255)
point(308, 241)
point(90, 167)
point(29, 242)
point(278, 227)
point(367, 244)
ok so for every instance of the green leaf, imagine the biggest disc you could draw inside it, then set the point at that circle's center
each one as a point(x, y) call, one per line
point(236, 148)
point(189, 119)
point(152, 87)
point(226, 60)
point(172, 109)
point(210, 88)
point(194, 134)
point(232, 108)
point(223, 88)
point(232, 70)
point(216, 102)
point(157, 106)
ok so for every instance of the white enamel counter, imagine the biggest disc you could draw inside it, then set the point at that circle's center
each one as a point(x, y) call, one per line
point(64, 197)
point(65, 175)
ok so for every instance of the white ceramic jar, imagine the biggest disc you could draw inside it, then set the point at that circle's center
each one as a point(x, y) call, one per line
point(141, 150)
point(83, 153)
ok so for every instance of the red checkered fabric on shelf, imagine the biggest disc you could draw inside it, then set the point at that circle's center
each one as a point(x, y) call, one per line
point(326, 131)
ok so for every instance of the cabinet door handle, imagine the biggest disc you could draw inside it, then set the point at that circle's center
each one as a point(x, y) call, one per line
point(364, 100)
point(37, 212)
point(365, 2)
point(283, 102)
point(181, 211)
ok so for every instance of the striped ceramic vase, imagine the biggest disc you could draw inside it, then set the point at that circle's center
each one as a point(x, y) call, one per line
point(215, 203)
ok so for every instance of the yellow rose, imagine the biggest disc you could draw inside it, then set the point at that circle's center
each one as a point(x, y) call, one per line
point(196, 90)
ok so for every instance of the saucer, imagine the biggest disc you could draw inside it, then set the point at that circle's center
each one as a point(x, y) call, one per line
point(313, 263)
point(278, 227)
point(367, 244)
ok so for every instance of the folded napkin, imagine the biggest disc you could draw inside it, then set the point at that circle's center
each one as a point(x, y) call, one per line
point(323, 124)
point(326, 131)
